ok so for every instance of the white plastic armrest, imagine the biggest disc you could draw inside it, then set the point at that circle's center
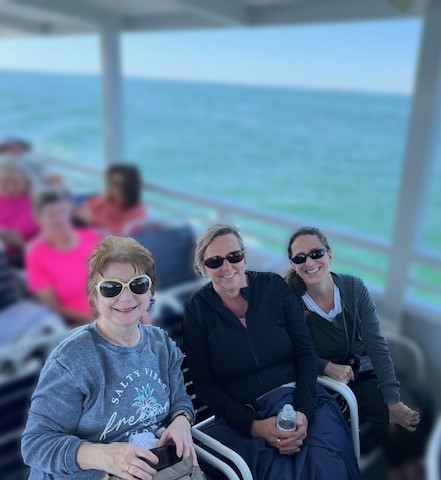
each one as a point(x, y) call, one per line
point(349, 396)
point(432, 459)
point(221, 449)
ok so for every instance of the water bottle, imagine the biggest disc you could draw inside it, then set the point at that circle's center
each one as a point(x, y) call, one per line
point(286, 418)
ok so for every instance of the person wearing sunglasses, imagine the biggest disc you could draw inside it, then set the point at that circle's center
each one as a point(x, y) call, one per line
point(346, 331)
point(109, 381)
point(249, 352)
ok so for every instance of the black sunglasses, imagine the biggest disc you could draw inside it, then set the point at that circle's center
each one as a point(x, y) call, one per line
point(112, 287)
point(314, 254)
point(217, 261)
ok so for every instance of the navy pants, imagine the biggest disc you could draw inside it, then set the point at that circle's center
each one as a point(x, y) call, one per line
point(326, 454)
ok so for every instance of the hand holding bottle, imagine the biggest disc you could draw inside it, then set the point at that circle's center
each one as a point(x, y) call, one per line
point(294, 424)
point(287, 418)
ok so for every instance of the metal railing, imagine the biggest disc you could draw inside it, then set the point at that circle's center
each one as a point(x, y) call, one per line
point(268, 232)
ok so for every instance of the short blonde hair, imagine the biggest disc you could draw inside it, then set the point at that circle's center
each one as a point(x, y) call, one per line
point(118, 250)
point(206, 238)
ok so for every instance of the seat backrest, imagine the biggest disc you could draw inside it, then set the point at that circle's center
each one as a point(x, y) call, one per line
point(9, 290)
point(173, 248)
point(15, 395)
point(172, 324)
point(20, 365)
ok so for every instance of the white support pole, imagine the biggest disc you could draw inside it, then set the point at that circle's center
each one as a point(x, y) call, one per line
point(112, 91)
point(418, 163)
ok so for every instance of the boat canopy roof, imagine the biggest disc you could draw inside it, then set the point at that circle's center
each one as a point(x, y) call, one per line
point(65, 17)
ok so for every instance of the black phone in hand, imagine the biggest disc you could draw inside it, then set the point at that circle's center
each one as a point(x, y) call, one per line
point(166, 455)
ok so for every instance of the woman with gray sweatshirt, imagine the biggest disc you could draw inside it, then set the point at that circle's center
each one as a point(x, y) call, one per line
point(109, 381)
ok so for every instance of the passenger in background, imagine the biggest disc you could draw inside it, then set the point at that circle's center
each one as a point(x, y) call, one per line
point(119, 206)
point(17, 222)
point(17, 151)
point(247, 342)
point(56, 261)
point(14, 146)
point(112, 381)
point(346, 331)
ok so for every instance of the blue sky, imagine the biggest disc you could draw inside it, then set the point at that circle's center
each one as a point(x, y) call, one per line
point(367, 56)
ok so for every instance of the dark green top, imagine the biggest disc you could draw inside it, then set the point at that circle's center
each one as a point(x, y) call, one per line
point(365, 337)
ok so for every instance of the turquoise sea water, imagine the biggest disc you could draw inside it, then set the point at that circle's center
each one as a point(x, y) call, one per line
point(327, 156)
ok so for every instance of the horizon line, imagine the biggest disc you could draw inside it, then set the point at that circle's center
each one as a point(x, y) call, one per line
point(212, 82)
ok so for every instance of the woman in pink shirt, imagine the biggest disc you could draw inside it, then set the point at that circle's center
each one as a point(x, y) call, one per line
point(17, 223)
point(57, 260)
point(120, 206)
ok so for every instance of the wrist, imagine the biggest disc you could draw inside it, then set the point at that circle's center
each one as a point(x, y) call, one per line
point(185, 414)
point(326, 368)
point(255, 430)
point(89, 456)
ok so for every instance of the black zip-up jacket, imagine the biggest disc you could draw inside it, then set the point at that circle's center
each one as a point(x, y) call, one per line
point(231, 366)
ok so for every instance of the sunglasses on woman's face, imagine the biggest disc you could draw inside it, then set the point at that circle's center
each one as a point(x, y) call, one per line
point(217, 261)
point(314, 254)
point(112, 287)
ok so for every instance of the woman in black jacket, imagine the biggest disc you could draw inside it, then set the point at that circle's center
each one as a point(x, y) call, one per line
point(249, 353)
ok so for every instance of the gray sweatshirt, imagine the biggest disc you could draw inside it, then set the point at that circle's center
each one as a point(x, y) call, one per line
point(93, 390)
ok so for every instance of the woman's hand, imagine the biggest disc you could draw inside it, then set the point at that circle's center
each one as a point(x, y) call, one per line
point(291, 445)
point(341, 373)
point(179, 431)
point(287, 443)
point(401, 414)
point(121, 459)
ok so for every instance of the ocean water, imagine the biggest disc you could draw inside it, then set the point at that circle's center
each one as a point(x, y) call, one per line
point(323, 155)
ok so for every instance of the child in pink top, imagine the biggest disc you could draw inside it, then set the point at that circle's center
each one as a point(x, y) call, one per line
point(65, 271)
point(56, 261)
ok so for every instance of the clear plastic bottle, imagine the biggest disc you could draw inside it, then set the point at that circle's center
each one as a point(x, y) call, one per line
point(286, 418)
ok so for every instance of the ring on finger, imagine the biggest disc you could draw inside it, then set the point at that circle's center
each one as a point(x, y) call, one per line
point(278, 441)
